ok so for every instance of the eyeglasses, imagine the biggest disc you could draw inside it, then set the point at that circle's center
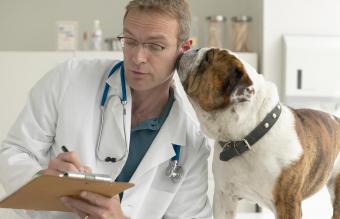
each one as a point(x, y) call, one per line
point(131, 44)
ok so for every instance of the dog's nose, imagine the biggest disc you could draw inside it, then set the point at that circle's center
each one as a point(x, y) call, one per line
point(250, 90)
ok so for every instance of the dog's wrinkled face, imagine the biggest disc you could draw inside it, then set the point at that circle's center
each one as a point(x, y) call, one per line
point(214, 78)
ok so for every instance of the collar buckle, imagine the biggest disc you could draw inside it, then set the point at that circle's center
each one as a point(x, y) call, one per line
point(227, 144)
point(247, 143)
point(232, 149)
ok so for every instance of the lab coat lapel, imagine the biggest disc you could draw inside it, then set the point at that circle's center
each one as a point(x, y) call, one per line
point(161, 149)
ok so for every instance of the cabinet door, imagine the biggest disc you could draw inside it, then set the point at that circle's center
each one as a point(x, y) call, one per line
point(312, 66)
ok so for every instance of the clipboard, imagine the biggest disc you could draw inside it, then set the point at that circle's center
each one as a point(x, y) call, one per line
point(44, 192)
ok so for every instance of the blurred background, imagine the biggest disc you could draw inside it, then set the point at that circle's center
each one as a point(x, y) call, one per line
point(295, 44)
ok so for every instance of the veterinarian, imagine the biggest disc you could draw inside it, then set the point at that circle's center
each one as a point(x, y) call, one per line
point(125, 119)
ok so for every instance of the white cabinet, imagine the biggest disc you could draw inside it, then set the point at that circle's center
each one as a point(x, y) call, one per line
point(312, 66)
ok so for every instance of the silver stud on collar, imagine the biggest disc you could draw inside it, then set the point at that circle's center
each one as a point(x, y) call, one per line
point(274, 115)
point(266, 125)
point(279, 106)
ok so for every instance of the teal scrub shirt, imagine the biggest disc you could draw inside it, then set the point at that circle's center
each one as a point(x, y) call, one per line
point(142, 137)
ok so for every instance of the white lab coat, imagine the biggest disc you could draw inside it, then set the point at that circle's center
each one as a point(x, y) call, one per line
point(63, 109)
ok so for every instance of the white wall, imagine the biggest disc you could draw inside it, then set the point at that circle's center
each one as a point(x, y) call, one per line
point(31, 25)
point(315, 17)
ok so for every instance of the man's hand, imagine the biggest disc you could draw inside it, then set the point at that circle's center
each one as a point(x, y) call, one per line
point(95, 206)
point(65, 162)
point(91, 206)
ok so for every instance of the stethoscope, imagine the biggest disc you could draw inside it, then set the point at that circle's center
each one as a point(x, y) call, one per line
point(123, 101)
point(174, 171)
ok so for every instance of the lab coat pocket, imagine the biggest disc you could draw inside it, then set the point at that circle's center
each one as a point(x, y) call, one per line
point(164, 183)
point(155, 204)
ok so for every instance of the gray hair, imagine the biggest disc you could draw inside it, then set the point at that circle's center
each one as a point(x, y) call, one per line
point(178, 9)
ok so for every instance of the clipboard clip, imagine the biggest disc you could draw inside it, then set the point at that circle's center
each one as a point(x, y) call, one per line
point(88, 176)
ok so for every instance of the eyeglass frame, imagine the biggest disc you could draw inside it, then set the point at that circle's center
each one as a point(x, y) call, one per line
point(147, 46)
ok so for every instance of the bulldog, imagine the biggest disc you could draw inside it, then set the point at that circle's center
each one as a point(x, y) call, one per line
point(264, 151)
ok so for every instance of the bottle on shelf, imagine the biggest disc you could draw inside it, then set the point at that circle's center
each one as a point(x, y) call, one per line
point(216, 31)
point(240, 32)
point(85, 43)
point(97, 36)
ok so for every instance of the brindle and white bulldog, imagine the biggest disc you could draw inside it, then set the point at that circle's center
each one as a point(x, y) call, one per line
point(264, 151)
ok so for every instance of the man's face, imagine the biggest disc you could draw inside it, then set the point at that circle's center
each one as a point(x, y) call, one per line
point(145, 68)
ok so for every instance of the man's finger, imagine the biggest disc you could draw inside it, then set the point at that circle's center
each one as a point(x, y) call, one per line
point(71, 157)
point(82, 206)
point(117, 198)
point(50, 172)
point(97, 199)
point(87, 169)
point(62, 166)
point(81, 214)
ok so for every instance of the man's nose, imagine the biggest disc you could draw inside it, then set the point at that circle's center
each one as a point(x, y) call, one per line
point(140, 55)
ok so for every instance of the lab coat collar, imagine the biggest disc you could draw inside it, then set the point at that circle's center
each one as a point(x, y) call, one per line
point(115, 84)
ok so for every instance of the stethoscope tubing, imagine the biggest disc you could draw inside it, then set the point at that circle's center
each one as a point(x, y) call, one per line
point(123, 100)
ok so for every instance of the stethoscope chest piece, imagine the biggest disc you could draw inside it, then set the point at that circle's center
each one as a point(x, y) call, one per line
point(175, 171)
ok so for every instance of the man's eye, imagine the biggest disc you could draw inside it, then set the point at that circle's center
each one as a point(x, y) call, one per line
point(155, 47)
point(130, 42)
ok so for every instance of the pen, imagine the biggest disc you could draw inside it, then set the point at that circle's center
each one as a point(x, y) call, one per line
point(87, 176)
point(64, 148)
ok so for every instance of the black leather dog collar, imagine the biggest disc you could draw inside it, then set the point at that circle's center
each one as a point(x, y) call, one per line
point(235, 148)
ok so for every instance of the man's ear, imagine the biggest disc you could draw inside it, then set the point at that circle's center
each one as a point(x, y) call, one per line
point(186, 45)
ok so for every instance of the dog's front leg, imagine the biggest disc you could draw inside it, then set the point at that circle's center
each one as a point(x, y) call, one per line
point(224, 205)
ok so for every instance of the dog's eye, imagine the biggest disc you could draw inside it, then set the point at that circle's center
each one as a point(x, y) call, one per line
point(234, 76)
point(238, 73)
point(226, 88)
